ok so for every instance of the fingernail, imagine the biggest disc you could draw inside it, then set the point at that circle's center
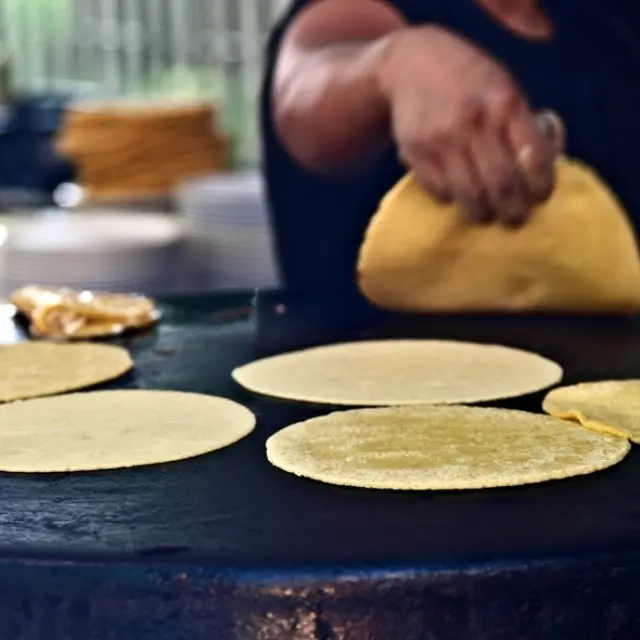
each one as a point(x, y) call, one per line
point(542, 186)
point(509, 190)
point(443, 196)
point(478, 212)
point(486, 216)
point(515, 220)
point(515, 214)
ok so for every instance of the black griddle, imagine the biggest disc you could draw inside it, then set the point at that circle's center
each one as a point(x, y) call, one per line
point(225, 546)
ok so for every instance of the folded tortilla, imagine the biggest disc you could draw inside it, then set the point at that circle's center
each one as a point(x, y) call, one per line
point(62, 313)
point(577, 254)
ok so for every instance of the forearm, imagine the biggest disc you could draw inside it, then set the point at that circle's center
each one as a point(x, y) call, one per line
point(329, 111)
point(327, 103)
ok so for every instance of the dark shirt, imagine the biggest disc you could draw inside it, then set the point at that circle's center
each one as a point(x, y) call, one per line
point(589, 73)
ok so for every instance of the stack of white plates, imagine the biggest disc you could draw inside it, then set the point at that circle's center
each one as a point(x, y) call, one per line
point(102, 251)
point(228, 231)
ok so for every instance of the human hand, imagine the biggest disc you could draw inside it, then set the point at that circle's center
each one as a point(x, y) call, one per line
point(464, 127)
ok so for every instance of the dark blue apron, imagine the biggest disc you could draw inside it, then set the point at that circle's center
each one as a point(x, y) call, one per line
point(590, 74)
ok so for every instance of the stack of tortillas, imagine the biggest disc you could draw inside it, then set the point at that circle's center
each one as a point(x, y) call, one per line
point(102, 429)
point(131, 149)
point(423, 447)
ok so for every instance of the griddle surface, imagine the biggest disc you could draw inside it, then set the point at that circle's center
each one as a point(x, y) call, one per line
point(232, 508)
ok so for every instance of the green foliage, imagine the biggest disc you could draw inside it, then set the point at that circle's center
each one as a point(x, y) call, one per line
point(40, 34)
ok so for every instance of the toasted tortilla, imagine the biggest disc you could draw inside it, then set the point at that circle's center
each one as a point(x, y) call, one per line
point(578, 253)
point(611, 406)
point(440, 448)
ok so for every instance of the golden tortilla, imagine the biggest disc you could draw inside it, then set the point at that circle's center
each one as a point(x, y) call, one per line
point(400, 372)
point(611, 406)
point(64, 322)
point(445, 448)
point(33, 369)
point(116, 429)
point(65, 314)
point(578, 253)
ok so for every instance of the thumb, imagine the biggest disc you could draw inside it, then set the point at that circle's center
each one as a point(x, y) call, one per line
point(524, 18)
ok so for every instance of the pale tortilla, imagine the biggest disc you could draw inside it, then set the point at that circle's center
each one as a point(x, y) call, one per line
point(429, 448)
point(577, 253)
point(116, 429)
point(34, 369)
point(608, 407)
point(400, 372)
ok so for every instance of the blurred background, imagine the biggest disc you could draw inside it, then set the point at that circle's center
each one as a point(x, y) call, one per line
point(129, 150)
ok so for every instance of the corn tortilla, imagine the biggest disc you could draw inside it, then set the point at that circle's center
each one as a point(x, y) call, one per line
point(440, 448)
point(578, 253)
point(611, 406)
point(400, 372)
point(34, 369)
point(64, 314)
point(116, 429)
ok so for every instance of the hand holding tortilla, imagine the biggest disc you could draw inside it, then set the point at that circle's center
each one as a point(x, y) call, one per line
point(450, 105)
point(577, 253)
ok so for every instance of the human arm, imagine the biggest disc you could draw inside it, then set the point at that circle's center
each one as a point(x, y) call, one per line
point(351, 77)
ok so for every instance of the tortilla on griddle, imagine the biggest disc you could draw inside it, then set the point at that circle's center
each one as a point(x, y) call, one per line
point(611, 406)
point(400, 372)
point(116, 429)
point(65, 314)
point(440, 448)
point(34, 369)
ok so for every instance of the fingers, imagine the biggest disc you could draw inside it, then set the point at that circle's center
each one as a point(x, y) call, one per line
point(467, 185)
point(430, 173)
point(454, 177)
point(496, 171)
point(514, 164)
point(503, 186)
point(534, 154)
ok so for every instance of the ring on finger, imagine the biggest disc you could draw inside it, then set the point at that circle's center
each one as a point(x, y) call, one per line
point(524, 157)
